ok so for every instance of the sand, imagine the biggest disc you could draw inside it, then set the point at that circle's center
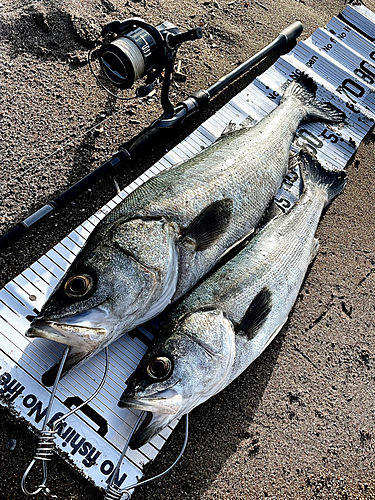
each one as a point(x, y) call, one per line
point(299, 424)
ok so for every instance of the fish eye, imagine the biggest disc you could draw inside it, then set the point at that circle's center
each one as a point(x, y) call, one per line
point(160, 368)
point(78, 286)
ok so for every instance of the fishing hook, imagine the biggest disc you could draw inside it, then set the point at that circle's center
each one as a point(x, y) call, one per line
point(46, 442)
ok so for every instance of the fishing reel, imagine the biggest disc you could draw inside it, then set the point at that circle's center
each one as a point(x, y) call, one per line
point(133, 49)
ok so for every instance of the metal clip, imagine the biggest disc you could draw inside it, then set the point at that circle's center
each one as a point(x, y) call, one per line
point(46, 442)
point(113, 492)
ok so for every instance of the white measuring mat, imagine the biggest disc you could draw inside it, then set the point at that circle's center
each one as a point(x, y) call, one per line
point(341, 60)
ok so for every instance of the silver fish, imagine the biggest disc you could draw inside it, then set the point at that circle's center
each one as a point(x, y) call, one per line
point(156, 244)
point(221, 327)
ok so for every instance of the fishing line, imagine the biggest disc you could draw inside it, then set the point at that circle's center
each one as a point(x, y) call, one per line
point(101, 84)
point(138, 146)
point(46, 442)
point(38, 163)
point(113, 492)
point(165, 37)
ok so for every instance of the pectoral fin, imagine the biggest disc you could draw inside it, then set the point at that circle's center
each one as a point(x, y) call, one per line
point(256, 314)
point(209, 225)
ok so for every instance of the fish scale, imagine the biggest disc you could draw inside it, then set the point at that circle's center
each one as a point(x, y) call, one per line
point(283, 266)
point(171, 231)
point(223, 325)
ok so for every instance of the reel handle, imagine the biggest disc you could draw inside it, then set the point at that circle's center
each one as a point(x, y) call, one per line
point(193, 34)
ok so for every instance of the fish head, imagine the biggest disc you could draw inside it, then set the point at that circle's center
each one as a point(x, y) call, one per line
point(91, 299)
point(189, 363)
point(108, 291)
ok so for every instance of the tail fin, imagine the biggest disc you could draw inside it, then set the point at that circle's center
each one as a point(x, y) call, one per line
point(304, 89)
point(332, 182)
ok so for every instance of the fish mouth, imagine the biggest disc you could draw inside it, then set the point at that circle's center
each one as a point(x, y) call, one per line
point(87, 338)
point(166, 402)
point(149, 427)
point(161, 409)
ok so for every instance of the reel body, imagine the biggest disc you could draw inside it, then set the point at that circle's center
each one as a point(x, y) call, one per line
point(134, 49)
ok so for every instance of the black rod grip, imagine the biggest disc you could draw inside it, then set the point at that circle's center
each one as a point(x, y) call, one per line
point(22, 228)
point(194, 34)
point(13, 235)
point(144, 142)
point(292, 31)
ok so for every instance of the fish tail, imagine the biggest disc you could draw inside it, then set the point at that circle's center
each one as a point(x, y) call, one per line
point(332, 182)
point(304, 89)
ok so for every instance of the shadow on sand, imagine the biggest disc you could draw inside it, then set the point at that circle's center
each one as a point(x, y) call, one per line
point(216, 429)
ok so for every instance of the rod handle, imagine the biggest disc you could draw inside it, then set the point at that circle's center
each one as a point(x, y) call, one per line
point(143, 143)
point(12, 235)
point(292, 31)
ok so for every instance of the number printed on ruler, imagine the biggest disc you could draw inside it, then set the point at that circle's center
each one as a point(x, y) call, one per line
point(353, 90)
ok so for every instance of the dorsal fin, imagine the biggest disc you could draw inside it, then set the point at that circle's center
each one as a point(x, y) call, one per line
point(256, 314)
point(209, 225)
point(233, 127)
point(229, 129)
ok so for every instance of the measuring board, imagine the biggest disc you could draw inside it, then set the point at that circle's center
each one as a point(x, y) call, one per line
point(341, 59)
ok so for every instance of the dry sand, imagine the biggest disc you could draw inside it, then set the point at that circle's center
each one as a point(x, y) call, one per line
point(299, 424)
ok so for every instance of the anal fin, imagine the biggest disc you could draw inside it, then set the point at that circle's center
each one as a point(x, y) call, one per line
point(274, 334)
point(314, 248)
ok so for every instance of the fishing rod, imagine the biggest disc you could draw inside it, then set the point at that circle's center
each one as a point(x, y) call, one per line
point(131, 50)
